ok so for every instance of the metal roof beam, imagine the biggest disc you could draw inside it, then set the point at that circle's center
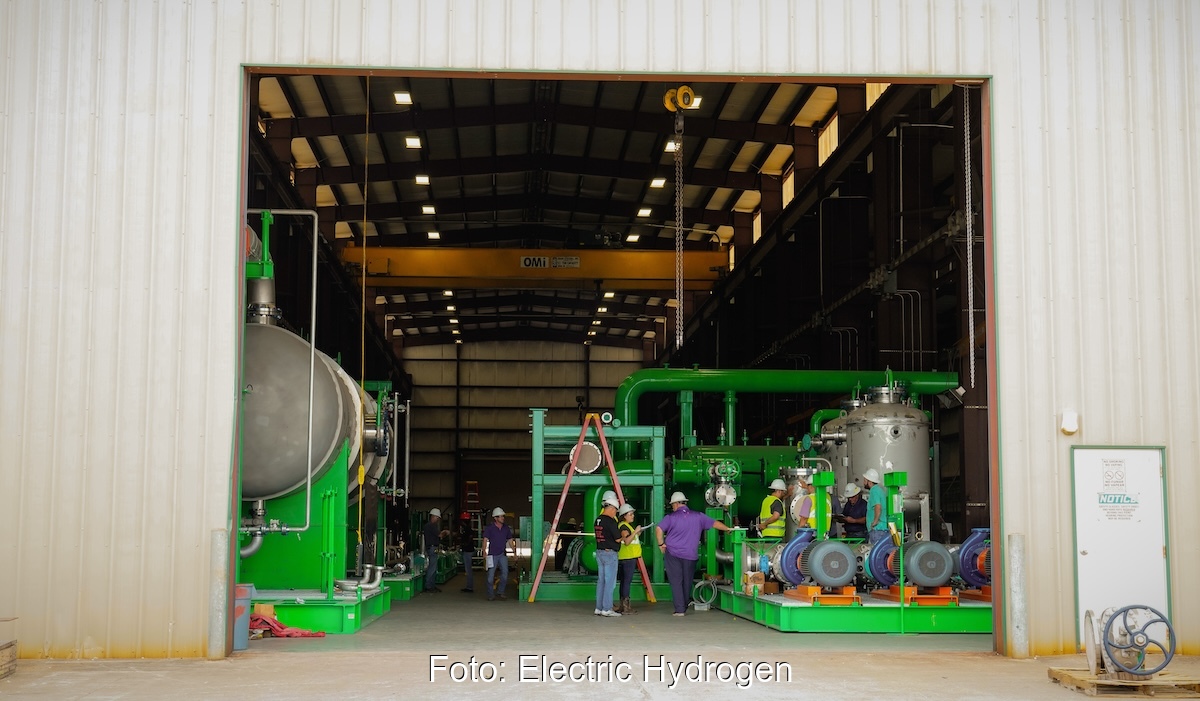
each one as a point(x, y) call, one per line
point(533, 268)
point(491, 165)
point(465, 205)
point(488, 115)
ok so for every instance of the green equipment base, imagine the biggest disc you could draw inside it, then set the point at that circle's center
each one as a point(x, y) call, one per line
point(404, 587)
point(872, 616)
point(556, 586)
point(310, 610)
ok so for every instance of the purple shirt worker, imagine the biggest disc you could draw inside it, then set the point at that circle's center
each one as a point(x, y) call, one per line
point(678, 537)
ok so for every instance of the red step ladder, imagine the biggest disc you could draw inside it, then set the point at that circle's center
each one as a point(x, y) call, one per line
point(562, 499)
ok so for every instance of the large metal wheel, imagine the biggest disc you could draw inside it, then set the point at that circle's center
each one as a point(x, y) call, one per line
point(1091, 643)
point(1133, 631)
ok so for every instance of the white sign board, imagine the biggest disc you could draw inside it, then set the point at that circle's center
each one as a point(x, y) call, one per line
point(1120, 529)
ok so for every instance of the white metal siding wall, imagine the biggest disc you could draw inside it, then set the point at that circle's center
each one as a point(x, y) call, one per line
point(120, 140)
point(118, 309)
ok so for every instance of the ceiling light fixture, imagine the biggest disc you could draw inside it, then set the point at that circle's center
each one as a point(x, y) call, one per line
point(450, 307)
point(412, 141)
point(455, 332)
point(434, 235)
point(428, 209)
point(671, 146)
point(591, 333)
point(609, 295)
point(644, 212)
point(632, 238)
point(402, 98)
point(458, 340)
point(658, 182)
point(422, 179)
point(601, 310)
point(695, 103)
point(596, 322)
point(448, 293)
point(454, 321)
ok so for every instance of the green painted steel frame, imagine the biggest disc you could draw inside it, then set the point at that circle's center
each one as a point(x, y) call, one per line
point(883, 618)
point(335, 616)
point(553, 440)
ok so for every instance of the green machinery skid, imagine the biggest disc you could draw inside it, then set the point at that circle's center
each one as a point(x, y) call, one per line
point(311, 610)
point(558, 440)
point(783, 614)
point(295, 571)
point(778, 612)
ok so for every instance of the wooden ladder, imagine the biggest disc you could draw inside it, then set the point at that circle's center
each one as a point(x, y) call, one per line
point(562, 499)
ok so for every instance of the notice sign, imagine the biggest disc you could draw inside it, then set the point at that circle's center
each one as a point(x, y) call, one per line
point(1120, 528)
point(1114, 500)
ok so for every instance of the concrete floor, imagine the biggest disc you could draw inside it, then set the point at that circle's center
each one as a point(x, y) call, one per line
point(391, 658)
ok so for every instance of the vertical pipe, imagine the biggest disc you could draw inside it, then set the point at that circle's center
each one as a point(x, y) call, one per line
point(312, 356)
point(407, 445)
point(219, 640)
point(730, 415)
point(1018, 611)
point(687, 436)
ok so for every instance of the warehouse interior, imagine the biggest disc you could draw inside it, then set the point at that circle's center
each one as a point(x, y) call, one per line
point(820, 227)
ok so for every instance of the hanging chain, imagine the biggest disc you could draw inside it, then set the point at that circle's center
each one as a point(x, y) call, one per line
point(678, 230)
point(970, 215)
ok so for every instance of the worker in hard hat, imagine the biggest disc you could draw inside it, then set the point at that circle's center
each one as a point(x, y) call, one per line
point(608, 542)
point(678, 537)
point(433, 534)
point(877, 528)
point(771, 523)
point(466, 545)
point(629, 554)
point(497, 538)
point(853, 515)
point(806, 511)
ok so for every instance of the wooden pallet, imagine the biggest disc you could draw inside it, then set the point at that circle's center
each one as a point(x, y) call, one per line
point(1165, 685)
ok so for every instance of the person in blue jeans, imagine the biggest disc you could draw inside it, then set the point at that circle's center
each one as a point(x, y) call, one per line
point(679, 540)
point(497, 538)
point(608, 542)
point(433, 536)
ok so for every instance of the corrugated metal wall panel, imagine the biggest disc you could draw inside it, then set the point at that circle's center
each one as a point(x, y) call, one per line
point(120, 133)
point(119, 310)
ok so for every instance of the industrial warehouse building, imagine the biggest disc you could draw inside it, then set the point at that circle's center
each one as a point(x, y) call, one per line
point(519, 206)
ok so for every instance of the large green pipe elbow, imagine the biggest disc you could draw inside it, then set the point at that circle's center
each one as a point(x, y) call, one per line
point(765, 382)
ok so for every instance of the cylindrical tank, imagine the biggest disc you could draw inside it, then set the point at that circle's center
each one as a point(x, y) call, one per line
point(275, 432)
point(836, 451)
point(890, 435)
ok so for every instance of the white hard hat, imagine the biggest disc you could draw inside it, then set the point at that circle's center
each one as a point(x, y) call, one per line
point(625, 509)
point(497, 512)
point(609, 501)
point(435, 512)
point(778, 484)
point(871, 475)
point(608, 494)
point(850, 490)
point(678, 497)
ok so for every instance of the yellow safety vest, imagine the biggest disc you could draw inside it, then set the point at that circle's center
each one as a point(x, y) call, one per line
point(629, 551)
point(812, 513)
point(776, 529)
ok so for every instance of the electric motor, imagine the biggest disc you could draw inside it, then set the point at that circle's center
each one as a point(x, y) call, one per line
point(928, 564)
point(830, 563)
